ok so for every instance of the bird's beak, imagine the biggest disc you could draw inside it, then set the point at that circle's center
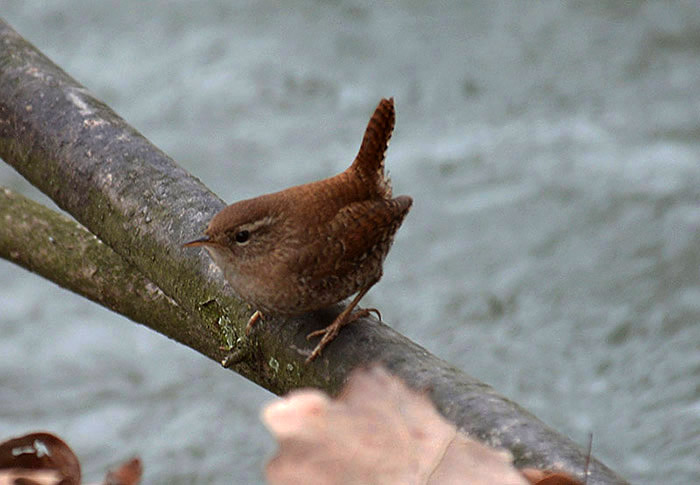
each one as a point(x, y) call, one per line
point(202, 241)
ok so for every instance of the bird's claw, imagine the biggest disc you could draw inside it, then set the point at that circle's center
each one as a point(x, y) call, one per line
point(251, 321)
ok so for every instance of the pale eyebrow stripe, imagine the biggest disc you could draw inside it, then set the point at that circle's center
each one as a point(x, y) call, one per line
point(252, 226)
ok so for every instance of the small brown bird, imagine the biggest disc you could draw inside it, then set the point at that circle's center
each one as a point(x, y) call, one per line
point(313, 245)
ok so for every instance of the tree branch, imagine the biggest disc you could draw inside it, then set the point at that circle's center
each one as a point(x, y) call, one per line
point(143, 206)
point(63, 251)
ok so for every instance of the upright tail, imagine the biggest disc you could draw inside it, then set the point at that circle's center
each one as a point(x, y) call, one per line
point(369, 163)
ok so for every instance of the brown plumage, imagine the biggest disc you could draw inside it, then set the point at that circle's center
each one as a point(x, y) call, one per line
point(313, 245)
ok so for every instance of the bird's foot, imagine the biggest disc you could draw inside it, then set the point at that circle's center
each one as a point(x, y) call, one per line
point(251, 321)
point(375, 311)
point(331, 331)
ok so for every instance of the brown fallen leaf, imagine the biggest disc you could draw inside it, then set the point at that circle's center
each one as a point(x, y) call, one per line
point(378, 431)
point(45, 459)
point(128, 473)
point(40, 452)
point(548, 477)
point(23, 476)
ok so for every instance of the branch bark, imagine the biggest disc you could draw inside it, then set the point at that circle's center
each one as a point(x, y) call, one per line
point(63, 251)
point(143, 207)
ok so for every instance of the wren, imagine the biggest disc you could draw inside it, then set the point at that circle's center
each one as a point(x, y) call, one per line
point(313, 245)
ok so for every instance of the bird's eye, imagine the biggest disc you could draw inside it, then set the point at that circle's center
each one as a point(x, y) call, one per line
point(242, 237)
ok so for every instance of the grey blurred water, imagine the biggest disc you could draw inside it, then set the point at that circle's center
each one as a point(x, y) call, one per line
point(553, 153)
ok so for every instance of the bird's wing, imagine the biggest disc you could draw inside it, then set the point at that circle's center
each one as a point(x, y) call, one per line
point(357, 231)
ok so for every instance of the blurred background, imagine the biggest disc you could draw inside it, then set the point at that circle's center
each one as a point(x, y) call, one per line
point(552, 150)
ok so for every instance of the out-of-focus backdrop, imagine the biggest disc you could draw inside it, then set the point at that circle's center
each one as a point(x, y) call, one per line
point(552, 150)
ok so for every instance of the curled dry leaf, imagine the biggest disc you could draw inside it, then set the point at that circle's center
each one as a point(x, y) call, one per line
point(547, 477)
point(40, 452)
point(378, 431)
point(23, 476)
point(128, 473)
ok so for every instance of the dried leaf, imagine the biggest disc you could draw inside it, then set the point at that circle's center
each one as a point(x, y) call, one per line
point(378, 431)
point(24, 476)
point(41, 451)
point(548, 477)
point(128, 473)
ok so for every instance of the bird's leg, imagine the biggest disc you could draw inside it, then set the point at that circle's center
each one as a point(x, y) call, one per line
point(345, 317)
point(251, 321)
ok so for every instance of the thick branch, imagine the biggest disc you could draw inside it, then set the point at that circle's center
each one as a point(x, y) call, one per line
point(63, 251)
point(142, 205)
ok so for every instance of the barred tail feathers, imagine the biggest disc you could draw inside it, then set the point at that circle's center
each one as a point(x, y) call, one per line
point(369, 163)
